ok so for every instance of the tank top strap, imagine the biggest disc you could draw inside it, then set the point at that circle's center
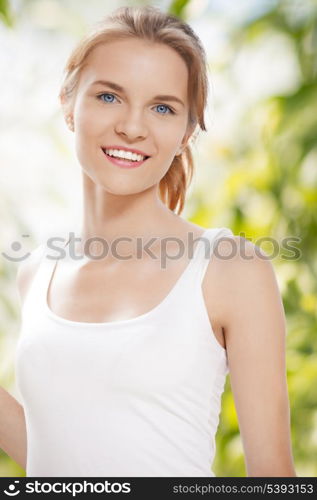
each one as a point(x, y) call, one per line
point(37, 293)
point(205, 249)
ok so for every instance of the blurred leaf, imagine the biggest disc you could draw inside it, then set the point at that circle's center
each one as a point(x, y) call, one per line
point(5, 14)
point(177, 8)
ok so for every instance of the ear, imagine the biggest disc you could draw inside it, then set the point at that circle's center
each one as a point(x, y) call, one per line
point(67, 110)
point(64, 103)
point(62, 97)
point(187, 136)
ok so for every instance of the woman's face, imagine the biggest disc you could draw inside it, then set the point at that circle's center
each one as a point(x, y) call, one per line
point(132, 117)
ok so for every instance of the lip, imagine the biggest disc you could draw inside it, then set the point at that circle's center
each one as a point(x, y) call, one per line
point(123, 163)
point(124, 148)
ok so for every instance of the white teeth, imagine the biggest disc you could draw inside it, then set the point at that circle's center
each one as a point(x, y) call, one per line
point(128, 155)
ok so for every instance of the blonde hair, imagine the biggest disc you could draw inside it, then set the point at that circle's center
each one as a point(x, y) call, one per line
point(149, 23)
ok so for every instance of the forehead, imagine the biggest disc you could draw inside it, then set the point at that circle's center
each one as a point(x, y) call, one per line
point(137, 64)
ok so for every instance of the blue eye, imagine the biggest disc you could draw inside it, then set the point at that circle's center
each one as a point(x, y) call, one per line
point(106, 94)
point(166, 107)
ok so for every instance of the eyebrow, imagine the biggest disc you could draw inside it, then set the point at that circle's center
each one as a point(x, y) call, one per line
point(118, 88)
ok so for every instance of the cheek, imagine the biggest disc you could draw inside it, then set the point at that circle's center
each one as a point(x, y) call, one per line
point(89, 122)
point(168, 136)
point(170, 133)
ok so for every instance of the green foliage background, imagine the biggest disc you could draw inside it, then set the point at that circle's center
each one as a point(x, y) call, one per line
point(270, 190)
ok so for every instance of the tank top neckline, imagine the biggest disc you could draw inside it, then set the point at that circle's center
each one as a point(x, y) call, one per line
point(106, 324)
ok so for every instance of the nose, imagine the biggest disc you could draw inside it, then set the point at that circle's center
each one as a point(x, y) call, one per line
point(132, 126)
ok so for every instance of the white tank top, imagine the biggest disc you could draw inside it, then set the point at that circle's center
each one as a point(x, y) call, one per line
point(137, 397)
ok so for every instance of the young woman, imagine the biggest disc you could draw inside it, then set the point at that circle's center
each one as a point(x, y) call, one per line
point(122, 360)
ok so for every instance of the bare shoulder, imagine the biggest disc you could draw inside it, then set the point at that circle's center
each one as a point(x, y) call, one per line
point(255, 333)
point(26, 271)
point(237, 249)
point(245, 278)
point(235, 253)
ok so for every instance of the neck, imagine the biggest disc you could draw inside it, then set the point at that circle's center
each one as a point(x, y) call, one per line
point(110, 216)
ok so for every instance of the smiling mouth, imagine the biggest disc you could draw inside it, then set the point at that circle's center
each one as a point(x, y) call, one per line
point(125, 159)
point(123, 162)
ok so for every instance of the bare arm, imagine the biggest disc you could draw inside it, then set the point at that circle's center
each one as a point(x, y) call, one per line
point(254, 324)
point(12, 428)
point(13, 439)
